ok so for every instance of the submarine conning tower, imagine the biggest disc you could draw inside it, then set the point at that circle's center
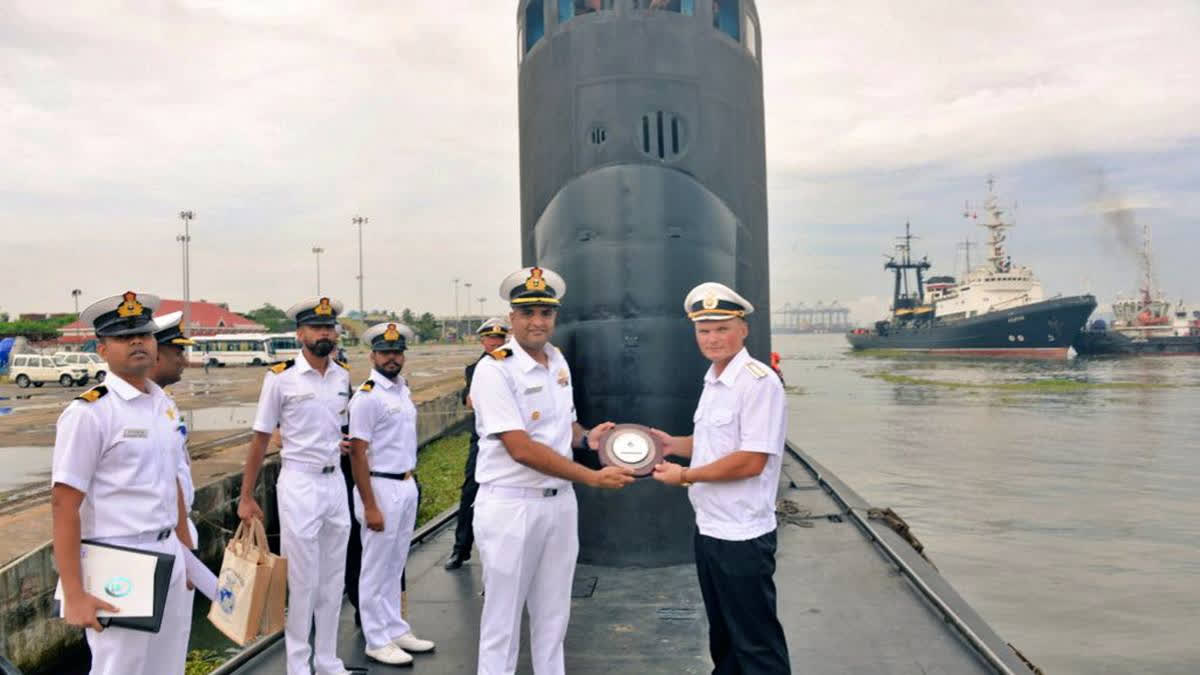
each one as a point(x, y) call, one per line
point(643, 173)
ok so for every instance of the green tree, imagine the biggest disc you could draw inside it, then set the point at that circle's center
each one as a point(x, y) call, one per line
point(426, 327)
point(408, 318)
point(272, 317)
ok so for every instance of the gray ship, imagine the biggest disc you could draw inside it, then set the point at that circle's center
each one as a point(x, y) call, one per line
point(643, 173)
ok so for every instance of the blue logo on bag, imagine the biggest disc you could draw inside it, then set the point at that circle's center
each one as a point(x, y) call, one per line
point(229, 585)
point(225, 599)
point(118, 587)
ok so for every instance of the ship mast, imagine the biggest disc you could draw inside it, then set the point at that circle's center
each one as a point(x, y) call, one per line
point(996, 226)
point(902, 297)
point(1147, 270)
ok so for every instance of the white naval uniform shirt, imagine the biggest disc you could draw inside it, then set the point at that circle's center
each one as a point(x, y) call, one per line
point(518, 393)
point(121, 451)
point(308, 407)
point(386, 419)
point(742, 410)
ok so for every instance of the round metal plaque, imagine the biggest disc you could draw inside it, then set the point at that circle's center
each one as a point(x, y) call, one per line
point(631, 446)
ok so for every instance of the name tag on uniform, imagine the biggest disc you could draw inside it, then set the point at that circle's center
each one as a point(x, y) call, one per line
point(397, 409)
point(533, 390)
point(136, 433)
point(300, 397)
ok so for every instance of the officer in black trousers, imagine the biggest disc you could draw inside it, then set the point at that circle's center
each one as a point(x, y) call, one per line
point(493, 333)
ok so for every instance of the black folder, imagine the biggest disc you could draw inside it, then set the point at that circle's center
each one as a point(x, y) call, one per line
point(163, 565)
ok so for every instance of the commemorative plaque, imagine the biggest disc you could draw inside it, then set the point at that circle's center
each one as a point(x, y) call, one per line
point(631, 446)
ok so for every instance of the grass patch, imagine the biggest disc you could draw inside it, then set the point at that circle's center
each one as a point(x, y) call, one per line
point(440, 469)
point(202, 662)
point(1052, 385)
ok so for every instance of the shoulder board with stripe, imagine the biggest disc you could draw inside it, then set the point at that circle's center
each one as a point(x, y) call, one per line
point(342, 364)
point(500, 354)
point(756, 370)
point(367, 386)
point(282, 366)
point(92, 395)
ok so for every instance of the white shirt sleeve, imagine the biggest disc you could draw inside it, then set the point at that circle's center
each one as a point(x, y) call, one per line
point(761, 418)
point(270, 405)
point(363, 416)
point(496, 408)
point(78, 444)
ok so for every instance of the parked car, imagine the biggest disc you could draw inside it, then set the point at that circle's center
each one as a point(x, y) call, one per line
point(96, 367)
point(37, 370)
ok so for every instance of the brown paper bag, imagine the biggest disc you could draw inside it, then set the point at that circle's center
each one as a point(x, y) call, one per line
point(242, 585)
point(272, 618)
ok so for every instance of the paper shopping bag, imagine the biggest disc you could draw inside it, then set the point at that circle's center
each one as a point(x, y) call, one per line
point(273, 608)
point(242, 586)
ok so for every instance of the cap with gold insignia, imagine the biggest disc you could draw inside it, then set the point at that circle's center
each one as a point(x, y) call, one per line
point(125, 314)
point(167, 332)
point(388, 337)
point(533, 286)
point(494, 326)
point(315, 312)
point(711, 301)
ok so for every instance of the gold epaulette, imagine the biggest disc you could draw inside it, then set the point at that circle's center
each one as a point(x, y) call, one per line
point(92, 395)
point(282, 366)
point(342, 364)
point(756, 370)
point(367, 386)
point(500, 354)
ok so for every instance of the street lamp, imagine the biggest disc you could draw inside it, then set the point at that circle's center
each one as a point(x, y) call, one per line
point(185, 239)
point(481, 301)
point(317, 251)
point(360, 221)
point(468, 286)
point(456, 280)
point(75, 293)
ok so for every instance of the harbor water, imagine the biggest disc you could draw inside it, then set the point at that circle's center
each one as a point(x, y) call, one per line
point(1060, 498)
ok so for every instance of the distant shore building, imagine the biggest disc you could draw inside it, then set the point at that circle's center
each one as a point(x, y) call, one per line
point(207, 318)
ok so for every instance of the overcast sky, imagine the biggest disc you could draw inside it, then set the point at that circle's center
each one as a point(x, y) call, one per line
point(277, 122)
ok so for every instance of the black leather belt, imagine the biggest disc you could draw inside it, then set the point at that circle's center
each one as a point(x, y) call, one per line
point(550, 492)
point(163, 534)
point(328, 469)
point(394, 476)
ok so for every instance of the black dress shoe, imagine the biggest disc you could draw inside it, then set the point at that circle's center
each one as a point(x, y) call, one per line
point(456, 560)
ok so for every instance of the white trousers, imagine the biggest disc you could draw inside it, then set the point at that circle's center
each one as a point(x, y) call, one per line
point(383, 557)
point(121, 651)
point(314, 527)
point(528, 546)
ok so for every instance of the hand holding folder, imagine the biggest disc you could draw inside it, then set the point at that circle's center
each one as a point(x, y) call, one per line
point(127, 587)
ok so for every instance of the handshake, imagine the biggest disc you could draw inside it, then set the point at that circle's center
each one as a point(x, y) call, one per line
point(632, 450)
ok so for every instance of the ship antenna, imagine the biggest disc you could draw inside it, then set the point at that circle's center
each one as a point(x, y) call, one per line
point(1147, 268)
point(996, 227)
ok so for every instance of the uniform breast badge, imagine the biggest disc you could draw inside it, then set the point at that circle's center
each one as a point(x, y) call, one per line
point(536, 416)
point(563, 379)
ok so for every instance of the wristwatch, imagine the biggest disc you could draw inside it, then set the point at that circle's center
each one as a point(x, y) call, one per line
point(583, 444)
point(683, 481)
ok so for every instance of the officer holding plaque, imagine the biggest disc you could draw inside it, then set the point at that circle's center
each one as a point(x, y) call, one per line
point(736, 452)
point(526, 518)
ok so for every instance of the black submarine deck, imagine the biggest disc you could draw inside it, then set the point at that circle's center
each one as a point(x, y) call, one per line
point(854, 597)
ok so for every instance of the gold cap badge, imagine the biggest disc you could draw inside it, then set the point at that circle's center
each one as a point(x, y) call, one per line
point(391, 334)
point(129, 306)
point(710, 301)
point(323, 308)
point(535, 282)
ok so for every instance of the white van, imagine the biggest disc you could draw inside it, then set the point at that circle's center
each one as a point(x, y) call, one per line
point(35, 369)
point(96, 367)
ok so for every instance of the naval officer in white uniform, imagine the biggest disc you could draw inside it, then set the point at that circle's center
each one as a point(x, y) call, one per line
point(114, 480)
point(168, 369)
point(526, 519)
point(736, 451)
point(307, 398)
point(383, 442)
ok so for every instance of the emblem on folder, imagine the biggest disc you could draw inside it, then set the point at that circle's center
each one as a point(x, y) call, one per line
point(118, 587)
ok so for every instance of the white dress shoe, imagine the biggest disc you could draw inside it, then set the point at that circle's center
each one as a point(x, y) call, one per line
point(411, 643)
point(391, 655)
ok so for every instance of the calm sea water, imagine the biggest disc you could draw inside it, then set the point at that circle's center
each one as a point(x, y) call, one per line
point(1069, 519)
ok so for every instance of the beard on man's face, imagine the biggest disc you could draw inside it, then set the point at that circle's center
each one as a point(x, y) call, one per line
point(322, 347)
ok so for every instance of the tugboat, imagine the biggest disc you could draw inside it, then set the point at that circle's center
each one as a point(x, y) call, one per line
point(998, 309)
point(1146, 326)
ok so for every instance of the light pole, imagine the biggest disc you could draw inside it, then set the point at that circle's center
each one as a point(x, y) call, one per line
point(185, 240)
point(456, 280)
point(481, 301)
point(360, 221)
point(468, 287)
point(317, 251)
point(75, 293)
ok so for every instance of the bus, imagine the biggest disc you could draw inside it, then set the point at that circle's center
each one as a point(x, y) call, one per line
point(242, 349)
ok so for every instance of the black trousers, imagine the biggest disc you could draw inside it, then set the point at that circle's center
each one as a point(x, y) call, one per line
point(738, 585)
point(464, 531)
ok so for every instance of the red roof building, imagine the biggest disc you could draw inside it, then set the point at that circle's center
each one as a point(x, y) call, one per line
point(207, 318)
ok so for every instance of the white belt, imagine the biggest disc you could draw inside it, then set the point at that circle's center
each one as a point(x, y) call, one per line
point(135, 539)
point(523, 492)
point(308, 468)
